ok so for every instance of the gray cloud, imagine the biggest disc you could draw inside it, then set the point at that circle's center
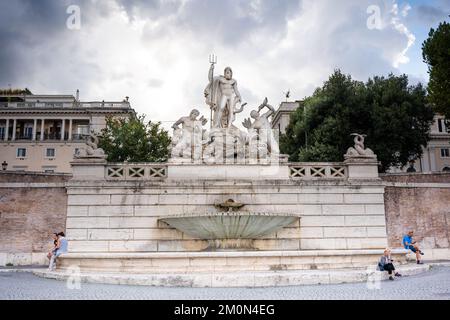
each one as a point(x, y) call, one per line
point(430, 13)
point(132, 47)
point(234, 21)
point(155, 83)
point(150, 9)
point(26, 28)
point(230, 22)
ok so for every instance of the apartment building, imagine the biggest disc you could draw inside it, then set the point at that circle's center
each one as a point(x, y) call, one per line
point(435, 157)
point(41, 133)
point(282, 116)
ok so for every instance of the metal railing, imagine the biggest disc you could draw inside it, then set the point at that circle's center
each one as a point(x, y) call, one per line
point(64, 105)
point(47, 136)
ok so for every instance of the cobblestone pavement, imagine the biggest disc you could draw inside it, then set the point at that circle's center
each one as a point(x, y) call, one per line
point(434, 284)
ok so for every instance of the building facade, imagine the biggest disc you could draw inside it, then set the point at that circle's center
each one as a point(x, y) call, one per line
point(41, 133)
point(282, 116)
point(435, 157)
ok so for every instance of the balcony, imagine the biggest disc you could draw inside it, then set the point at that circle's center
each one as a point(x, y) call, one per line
point(24, 137)
point(79, 137)
point(52, 136)
point(56, 105)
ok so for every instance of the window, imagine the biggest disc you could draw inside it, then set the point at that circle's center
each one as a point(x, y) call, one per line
point(2, 133)
point(28, 132)
point(21, 152)
point(50, 153)
point(83, 130)
point(445, 153)
point(441, 126)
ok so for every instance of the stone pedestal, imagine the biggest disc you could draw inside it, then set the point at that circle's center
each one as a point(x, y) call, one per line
point(88, 169)
point(362, 168)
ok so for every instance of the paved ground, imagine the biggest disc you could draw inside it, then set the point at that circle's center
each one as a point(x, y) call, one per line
point(434, 284)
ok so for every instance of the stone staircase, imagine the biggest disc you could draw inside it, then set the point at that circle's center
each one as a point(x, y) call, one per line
point(230, 261)
point(237, 279)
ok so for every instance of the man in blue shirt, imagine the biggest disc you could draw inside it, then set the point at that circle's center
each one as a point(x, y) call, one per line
point(408, 243)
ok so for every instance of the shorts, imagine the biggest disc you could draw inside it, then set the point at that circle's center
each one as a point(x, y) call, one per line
point(410, 247)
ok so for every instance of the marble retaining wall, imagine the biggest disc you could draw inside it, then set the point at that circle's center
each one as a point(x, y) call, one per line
point(123, 217)
point(32, 207)
point(103, 215)
point(419, 202)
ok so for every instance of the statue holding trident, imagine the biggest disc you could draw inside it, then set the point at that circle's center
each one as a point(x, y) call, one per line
point(222, 96)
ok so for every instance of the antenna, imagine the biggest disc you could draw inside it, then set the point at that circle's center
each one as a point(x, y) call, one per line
point(287, 94)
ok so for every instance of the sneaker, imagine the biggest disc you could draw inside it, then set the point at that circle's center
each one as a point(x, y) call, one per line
point(421, 253)
point(419, 262)
point(398, 274)
point(391, 278)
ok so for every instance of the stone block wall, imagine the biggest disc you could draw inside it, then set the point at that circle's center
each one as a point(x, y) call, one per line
point(32, 206)
point(114, 217)
point(125, 218)
point(419, 202)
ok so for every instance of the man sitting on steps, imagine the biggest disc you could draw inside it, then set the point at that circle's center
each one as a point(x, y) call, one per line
point(408, 243)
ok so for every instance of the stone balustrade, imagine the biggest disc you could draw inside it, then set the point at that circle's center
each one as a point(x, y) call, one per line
point(135, 171)
point(149, 171)
point(317, 170)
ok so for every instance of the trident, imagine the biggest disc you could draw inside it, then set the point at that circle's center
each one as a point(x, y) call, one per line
point(212, 61)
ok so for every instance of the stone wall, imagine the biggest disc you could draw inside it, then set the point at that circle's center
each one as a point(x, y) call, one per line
point(419, 202)
point(119, 215)
point(32, 206)
point(437, 177)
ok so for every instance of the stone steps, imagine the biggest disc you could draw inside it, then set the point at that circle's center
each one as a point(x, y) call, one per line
point(236, 261)
point(237, 279)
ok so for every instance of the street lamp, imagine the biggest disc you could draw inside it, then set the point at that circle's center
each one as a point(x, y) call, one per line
point(4, 165)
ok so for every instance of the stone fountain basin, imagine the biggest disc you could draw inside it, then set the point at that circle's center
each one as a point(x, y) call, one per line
point(230, 225)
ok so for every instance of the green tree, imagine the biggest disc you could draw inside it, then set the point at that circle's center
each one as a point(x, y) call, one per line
point(436, 53)
point(134, 140)
point(393, 114)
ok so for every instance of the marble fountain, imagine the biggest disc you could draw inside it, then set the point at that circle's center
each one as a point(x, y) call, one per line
point(227, 209)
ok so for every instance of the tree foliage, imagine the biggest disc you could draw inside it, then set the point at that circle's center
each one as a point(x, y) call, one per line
point(134, 140)
point(436, 53)
point(393, 114)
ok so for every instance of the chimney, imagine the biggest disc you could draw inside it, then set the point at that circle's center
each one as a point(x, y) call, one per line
point(78, 95)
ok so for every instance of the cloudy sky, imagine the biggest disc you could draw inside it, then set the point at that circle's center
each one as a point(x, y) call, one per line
point(156, 51)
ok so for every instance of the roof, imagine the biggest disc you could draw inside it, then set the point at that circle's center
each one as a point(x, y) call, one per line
point(289, 106)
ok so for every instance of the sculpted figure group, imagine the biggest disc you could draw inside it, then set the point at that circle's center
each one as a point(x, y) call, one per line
point(224, 142)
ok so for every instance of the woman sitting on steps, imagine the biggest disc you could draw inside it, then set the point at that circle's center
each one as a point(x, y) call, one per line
point(385, 264)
